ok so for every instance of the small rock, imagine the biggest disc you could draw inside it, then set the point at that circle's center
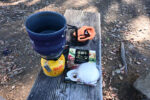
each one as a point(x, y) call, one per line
point(138, 62)
point(15, 72)
point(8, 63)
point(105, 45)
point(120, 22)
point(110, 58)
point(9, 69)
point(130, 59)
point(14, 67)
point(104, 63)
point(120, 77)
point(117, 71)
point(144, 59)
point(13, 87)
point(137, 71)
point(140, 30)
point(23, 87)
point(113, 73)
point(131, 46)
point(111, 52)
point(1, 42)
point(114, 89)
point(11, 57)
point(147, 69)
point(31, 77)
point(120, 65)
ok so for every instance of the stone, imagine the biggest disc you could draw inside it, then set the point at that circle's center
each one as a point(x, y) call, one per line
point(1, 42)
point(146, 68)
point(113, 73)
point(142, 84)
point(131, 46)
point(144, 59)
point(120, 77)
point(117, 71)
point(138, 62)
point(130, 60)
point(13, 86)
point(120, 65)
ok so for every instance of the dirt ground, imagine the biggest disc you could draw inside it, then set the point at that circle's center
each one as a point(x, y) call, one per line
point(121, 21)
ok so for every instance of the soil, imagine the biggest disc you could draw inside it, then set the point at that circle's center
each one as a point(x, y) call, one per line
point(121, 21)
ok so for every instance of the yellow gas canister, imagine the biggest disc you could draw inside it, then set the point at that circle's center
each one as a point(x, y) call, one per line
point(53, 68)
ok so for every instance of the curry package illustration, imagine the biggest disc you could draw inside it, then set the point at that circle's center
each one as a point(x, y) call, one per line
point(81, 64)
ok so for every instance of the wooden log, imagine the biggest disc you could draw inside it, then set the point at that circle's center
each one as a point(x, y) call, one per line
point(47, 88)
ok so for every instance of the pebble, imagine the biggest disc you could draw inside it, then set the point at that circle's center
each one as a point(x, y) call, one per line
point(110, 58)
point(11, 57)
point(13, 86)
point(111, 52)
point(31, 77)
point(120, 65)
point(113, 73)
point(120, 77)
point(130, 59)
point(147, 69)
point(1, 42)
point(9, 69)
point(104, 63)
point(138, 62)
point(15, 72)
point(117, 71)
point(137, 71)
point(131, 46)
point(144, 59)
point(105, 45)
point(8, 63)
point(114, 89)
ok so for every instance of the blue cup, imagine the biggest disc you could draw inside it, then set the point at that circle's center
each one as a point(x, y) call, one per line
point(47, 31)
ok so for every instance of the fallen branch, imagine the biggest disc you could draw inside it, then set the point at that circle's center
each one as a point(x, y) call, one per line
point(123, 57)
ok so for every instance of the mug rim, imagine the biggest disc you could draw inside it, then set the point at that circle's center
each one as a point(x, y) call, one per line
point(40, 34)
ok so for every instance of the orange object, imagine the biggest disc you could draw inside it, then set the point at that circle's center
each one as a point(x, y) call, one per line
point(85, 33)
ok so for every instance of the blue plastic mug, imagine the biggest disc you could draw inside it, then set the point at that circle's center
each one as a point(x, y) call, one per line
point(47, 31)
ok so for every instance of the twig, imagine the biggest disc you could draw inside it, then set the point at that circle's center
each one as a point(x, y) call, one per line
point(15, 72)
point(123, 57)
